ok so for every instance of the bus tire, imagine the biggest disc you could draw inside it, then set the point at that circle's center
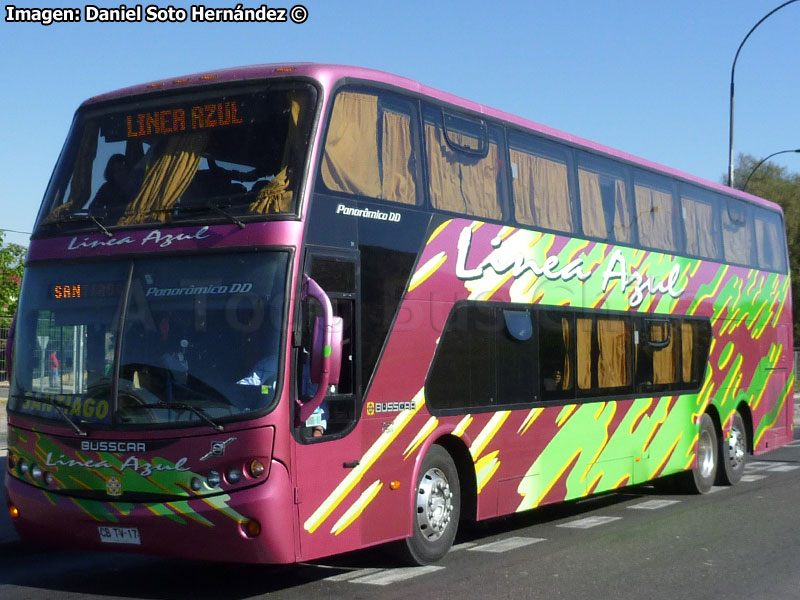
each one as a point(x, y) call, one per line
point(701, 479)
point(733, 452)
point(437, 508)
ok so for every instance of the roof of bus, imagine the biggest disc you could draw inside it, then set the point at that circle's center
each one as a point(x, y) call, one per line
point(328, 74)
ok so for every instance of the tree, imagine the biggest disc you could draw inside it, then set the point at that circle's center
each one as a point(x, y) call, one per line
point(775, 183)
point(12, 259)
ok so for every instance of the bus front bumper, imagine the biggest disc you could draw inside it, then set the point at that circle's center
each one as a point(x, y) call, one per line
point(211, 528)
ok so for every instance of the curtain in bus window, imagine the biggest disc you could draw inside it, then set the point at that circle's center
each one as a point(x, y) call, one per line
point(654, 215)
point(736, 234)
point(687, 346)
point(167, 178)
point(769, 242)
point(601, 213)
point(81, 185)
point(567, 378)
point(665, 365)
point(584, 351)
point(541, 192)
point(350, 161)
point(276, 197)
point(700, 227)
point(612, 360)
point(396, 154)
point(459, 181)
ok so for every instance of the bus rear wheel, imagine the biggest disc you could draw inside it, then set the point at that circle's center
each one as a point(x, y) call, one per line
point(701, 478)
point(437, 509)
point(733, 452)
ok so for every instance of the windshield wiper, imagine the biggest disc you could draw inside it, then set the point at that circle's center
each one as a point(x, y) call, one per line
point(60, 408)
point(219, 210)
point(87, 217)
point(180, 406)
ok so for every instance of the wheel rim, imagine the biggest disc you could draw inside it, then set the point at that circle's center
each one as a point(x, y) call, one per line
point(434, 504)
point(736, 450)
point(705, 454)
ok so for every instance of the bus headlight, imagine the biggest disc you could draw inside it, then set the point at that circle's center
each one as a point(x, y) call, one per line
point(256, 468)
point(233, 474)
point(213, 479)
point(37, 472)
point(24, 467)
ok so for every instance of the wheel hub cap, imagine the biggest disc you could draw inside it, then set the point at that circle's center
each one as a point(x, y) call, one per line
point(434, 504)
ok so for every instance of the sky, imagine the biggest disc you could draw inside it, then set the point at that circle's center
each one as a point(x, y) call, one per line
point(647, 77)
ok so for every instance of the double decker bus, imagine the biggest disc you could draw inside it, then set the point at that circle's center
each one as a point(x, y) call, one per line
point(279, 312)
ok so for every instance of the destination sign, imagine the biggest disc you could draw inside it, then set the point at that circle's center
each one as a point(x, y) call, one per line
point(185, 118)
point(66, 290)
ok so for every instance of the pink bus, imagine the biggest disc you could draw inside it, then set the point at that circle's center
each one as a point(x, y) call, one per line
point(279, 312)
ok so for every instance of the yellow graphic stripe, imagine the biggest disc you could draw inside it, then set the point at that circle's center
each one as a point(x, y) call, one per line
point(485, 468)
point(358, 507)
point(709, 296)
point(439, 230)
point(426, 270)
point(666, 458)
point(532, 416)
point(462, 426)
point(182, 508)
point(489, 431)
point(565, 414)
point(558, 476)
point(636, 419)
point(770, 425)
point(373, 454)
point(426, 430)
point(220, 503)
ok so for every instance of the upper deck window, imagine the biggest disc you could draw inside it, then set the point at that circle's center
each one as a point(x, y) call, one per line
point(370, 148)
point(184, 157)
point(655, 212)
point(464, 165)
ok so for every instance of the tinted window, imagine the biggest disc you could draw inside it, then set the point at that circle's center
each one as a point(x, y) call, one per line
point(371, 147)
point(655, 212)
point(464, 166)
point(539, 172)
point(606, 211)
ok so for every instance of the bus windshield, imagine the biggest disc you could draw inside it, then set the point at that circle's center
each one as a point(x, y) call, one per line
point(216, 155)
point(198, 342)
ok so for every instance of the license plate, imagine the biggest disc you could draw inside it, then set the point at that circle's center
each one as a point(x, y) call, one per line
point(119, 535)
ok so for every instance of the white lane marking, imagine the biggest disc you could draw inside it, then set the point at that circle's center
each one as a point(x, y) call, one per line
point(390, 576)
point(464, 546)
point(752, 478)
point(654, 504)
point(353, 574)
point(717, 488)
point(588, 522)
point(784, 468)
point(793, 444)
point(511, 543)
point(762, 466)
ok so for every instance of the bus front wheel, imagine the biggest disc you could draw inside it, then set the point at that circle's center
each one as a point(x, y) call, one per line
point(437, 508)
point(701, 478)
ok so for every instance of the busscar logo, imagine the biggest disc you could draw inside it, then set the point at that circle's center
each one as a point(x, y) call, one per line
point(110, 446)
point(374, 408)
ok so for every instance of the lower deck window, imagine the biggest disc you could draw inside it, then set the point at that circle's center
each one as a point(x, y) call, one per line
point(494, 355)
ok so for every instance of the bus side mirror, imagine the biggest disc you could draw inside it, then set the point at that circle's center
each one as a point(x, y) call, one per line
point(326, 351)
point(334, 351)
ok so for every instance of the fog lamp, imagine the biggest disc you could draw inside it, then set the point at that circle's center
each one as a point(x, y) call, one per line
point(256, 468)
point(37, 472)
point(24, 467)
point(13, 511)
point(196, 484)
point(49, 479)
point(12, 461)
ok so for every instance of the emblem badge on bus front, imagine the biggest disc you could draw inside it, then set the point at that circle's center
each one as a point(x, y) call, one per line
point(113, 486)
point(218, 448)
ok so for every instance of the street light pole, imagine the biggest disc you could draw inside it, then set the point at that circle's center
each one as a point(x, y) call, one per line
point(761, 162)
point(733, 68)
